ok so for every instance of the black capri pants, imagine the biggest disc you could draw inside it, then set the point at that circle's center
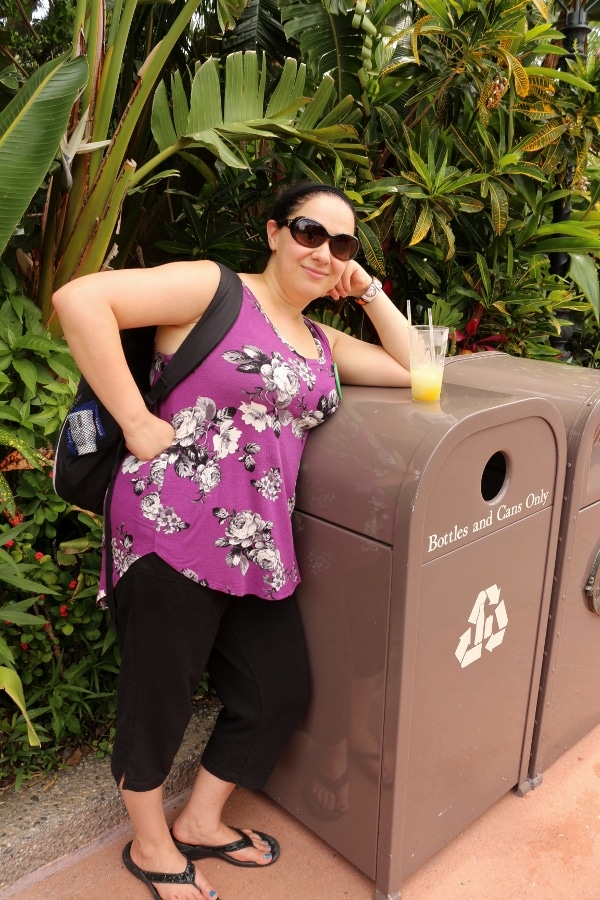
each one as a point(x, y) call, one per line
point(170, 631)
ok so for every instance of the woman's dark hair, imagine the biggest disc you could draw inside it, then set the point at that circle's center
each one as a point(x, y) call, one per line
point(291, 197)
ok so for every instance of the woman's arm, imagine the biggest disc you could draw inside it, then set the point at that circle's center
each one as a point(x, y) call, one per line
point(93, 309)
point(360, 362)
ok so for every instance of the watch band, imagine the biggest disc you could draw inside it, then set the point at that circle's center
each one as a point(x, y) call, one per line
point(370, 293)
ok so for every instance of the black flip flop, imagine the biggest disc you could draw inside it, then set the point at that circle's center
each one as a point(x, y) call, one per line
point(203, 851)
point(188, 876)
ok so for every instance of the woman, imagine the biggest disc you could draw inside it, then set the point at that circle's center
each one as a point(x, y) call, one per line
point(204, 569)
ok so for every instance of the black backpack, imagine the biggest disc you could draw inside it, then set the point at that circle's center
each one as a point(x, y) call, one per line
point(90, 446)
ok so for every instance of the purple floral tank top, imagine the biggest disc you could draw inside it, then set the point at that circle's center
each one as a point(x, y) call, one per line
point(217, 505)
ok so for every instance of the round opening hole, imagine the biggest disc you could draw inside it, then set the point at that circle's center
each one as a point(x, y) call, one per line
point(494, 476)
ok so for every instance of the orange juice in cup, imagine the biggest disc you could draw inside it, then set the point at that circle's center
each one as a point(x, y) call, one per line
point(427, 353)
point(426, 383)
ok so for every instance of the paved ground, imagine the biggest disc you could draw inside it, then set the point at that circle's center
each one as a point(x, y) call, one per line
point(545, 845)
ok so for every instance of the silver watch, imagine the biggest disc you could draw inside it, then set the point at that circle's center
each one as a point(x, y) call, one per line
point(370, 293)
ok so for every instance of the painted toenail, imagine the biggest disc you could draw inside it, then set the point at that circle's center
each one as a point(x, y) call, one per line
point(267, 856)
point(212, 894)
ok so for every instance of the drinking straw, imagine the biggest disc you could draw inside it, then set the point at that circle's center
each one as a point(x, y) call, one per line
point(408, 311)
point(431, 345)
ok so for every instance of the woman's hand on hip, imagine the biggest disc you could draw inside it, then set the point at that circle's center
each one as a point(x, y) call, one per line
point(149, 438)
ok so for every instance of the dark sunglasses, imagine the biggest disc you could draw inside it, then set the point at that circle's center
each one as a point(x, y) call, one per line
point(309, 233)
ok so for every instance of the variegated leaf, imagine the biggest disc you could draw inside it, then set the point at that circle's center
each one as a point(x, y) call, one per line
point(499, 207)
point(449, 235)
point(7, 501)
point(9, 439)
point(415, 36)
point(423, 269)
point(543, 88)
point(403, 220)
point(486, 90)
point(537, 112)
point(523, 168)
point(421, 167)
point(542, 8)
point(371, 248)
point(546, 135)
point(484, 274)
point(423, 225)
point(414, 178)
point(553, 160)
point(520, 75)
point(465, 149)
point(469, 204)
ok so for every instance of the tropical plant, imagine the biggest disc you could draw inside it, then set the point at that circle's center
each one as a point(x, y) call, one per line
point(14, 574)
point(474, 145)
point(102, 162)
point(37, 379)
point(36, 118)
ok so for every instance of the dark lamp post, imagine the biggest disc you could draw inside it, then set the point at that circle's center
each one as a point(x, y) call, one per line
point(575, 29)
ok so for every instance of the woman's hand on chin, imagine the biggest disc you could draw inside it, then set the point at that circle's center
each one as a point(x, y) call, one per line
point(353, 283)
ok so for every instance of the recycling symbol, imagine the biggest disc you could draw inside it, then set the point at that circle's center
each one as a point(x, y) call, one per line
point(488, 610)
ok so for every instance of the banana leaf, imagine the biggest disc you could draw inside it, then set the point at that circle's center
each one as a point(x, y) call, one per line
point(31, 127)
point(584, 272)
point(224, 128)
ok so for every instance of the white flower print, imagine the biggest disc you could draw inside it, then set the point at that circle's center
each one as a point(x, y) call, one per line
point(188, 461)
point(249, 540)
point(192, 423)
point(269, 485)
point(157, 470)
point(309, 420)
point(208, 477)
point(282, 387)
point(226, 441)
point(255, 414)
point(304, 372)
point(185, 423)
point(168, 521)
point(243, 528)
point(165, 517)
point(280, 379)
point(193, 576)
point(130, 464)
point(150, 506)
point(189, 573)
point(122, 551)
point(266, 558)
point(312, 417)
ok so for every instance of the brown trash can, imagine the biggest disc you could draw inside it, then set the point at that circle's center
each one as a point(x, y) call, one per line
point(426, 536)
point(569, 702)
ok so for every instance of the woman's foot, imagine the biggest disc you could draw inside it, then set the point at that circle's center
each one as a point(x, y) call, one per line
point(258, 851)
point(144, 862)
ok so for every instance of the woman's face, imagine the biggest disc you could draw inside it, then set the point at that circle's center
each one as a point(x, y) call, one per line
point(311, 271)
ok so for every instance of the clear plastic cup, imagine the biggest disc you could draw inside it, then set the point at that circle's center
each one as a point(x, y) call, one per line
point(428, 346)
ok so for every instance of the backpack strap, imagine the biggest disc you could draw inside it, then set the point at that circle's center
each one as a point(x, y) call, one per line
point(208, 331)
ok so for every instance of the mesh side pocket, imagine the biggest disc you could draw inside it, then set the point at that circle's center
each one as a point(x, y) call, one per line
point(84, 429)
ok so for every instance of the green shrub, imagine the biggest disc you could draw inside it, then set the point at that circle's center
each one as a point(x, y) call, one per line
point(66, 657)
